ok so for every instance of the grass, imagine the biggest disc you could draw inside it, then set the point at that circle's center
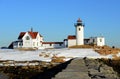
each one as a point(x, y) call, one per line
point(82, 46)
point(106, 50)
point(27, 49)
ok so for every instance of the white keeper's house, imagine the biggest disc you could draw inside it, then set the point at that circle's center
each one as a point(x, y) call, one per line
point(31, 39)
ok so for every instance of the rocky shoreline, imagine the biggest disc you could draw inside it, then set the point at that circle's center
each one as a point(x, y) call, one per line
point(97, 69)
point(74, 69)
point(87, 69)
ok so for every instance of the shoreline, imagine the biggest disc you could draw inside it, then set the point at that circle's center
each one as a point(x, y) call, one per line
point(31, 72)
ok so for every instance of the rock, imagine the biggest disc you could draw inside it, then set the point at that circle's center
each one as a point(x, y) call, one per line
point(72, 75)
point(87, 69)
point(106, 69)
point(3, 76)
point(75, 70)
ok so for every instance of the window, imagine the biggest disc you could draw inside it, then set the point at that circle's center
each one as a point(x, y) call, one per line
point(37, 43)
point(33, 43)
point(50, 44)
point(60, 44)
point(93, 40)
point(79, 29)
point(20, 44)
point(100, 40)
point(27, 38)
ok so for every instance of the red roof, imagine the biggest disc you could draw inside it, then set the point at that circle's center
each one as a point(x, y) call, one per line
point(79, 20)
point(71, 37)
point(52, 42)
point(21, 35)
point(32, 34)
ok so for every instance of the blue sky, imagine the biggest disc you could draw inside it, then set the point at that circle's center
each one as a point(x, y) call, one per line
point(54, 19)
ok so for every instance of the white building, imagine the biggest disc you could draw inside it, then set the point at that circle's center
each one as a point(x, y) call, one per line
point(32, 39)
point(79, 32)
point(71, 40)
point(79, 39)
point(99, 41)
point(28, 39)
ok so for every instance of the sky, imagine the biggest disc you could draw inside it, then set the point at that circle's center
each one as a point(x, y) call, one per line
point(54, 19)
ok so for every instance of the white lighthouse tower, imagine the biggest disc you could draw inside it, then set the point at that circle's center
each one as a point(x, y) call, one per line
point(79, 32)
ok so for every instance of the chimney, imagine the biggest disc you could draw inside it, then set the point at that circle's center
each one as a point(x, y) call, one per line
point(31, 29)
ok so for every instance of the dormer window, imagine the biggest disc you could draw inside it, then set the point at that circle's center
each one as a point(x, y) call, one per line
point(27, 38)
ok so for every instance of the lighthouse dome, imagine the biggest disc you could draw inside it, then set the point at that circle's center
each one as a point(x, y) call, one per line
point(79, 20)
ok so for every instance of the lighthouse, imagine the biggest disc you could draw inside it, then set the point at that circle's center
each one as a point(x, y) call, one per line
point(79, 32)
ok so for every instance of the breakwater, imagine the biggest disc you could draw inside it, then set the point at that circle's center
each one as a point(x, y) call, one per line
point(74, 69)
